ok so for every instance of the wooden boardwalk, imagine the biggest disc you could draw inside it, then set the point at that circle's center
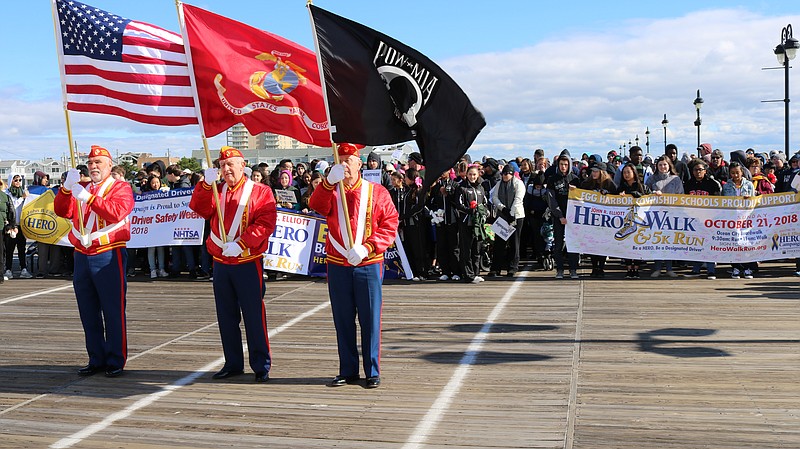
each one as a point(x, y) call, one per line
point(525, 363)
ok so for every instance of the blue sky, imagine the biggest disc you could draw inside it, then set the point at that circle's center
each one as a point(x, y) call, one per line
point(583, 75)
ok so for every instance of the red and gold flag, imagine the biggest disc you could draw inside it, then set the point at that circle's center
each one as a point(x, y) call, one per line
point(249, 76)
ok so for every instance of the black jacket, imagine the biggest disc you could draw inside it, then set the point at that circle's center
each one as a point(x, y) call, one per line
point(720, 173)
point(635, 190)
point(558, 189)
point(411, 215)
point(468, 193)
point(705, 186)
point(444, 201)
point(182, 183)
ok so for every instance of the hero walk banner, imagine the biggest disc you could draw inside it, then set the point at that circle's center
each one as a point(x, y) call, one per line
point(721, 229)
point(163, 218)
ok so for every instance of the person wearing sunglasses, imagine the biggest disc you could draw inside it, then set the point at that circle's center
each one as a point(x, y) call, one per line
point(717, 167)
point(15, 239)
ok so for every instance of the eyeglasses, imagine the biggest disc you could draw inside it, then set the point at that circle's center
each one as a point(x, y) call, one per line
point(16, 180)
point(715, 157)
point(699, 169)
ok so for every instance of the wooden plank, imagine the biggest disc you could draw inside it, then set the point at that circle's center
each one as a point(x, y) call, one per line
point(662, 363)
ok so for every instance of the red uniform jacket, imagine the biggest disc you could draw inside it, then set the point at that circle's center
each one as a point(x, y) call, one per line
point(105, 215)
point(380, 227)
point(258, 219)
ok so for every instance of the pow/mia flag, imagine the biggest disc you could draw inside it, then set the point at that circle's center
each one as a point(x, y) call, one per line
point(381, 92)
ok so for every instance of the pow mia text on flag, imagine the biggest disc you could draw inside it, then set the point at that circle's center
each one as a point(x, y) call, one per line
point(410, 84)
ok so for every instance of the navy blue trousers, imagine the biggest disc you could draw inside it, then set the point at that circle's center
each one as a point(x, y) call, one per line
point(356, 291)
point(239, 293)
point(100, 288)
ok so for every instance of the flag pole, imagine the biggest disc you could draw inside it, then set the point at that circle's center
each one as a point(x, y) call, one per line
point(186, 46)
point(342, 199)
point(72, 160)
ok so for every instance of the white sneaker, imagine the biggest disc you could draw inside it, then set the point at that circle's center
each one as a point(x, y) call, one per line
point(735, 273)
point(671, 274)
point(479, 278)
point(711, 277)
point(476, 280)
point(456, 277)
point(415, 279)
point(444, 277)
point(748, 274)
point(162, 273)
point(655, 273)
point(796, 273)
point(24, 274)
point(153, 274)
point(5, 278)
point(9, 275)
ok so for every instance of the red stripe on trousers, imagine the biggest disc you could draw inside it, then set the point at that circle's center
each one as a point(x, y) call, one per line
point(260, 272)
point(122, 274)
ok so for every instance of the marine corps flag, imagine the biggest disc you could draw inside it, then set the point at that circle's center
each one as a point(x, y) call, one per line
point(381, 92)
point(249, 76)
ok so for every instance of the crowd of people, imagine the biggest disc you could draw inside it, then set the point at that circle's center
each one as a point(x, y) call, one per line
point(445, 238)
point(443, 230)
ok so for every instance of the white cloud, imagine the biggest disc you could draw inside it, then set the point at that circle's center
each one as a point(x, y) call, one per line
point(592, 92)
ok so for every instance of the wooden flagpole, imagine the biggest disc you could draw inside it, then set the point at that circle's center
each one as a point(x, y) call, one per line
point(342, 199)
point(209, 161)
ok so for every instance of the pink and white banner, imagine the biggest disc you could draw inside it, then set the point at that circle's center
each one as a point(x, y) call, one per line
point(721, 229)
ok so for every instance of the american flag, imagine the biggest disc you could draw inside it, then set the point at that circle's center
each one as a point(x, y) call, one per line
point(117, 66)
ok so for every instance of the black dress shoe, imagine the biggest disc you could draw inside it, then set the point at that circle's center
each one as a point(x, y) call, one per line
point(225, 373)
point(373, 382)
point(89, 370)
point(113, 372)
point(262, 377)
point(339, 381)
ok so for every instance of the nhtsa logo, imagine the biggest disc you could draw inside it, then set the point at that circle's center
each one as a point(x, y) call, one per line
point(185, 234)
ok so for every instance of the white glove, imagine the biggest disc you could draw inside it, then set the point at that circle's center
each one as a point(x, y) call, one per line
point(231, 249)
point(438, 216)
point(211, 175)
point(336, 174)
point(357, 254)
point(80, 193)
point(73, 177)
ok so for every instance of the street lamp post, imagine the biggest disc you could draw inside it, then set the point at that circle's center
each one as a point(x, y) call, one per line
point(647, 139)
point(664, 123)
point(785, 52)
point(698, 103)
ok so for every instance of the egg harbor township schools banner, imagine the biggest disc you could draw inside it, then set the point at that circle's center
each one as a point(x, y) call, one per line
point(722, 229)
point(163, 218)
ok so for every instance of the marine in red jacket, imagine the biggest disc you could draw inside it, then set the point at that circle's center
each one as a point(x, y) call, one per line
point(355, 269)
point(100, 259)
point(249, 215)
